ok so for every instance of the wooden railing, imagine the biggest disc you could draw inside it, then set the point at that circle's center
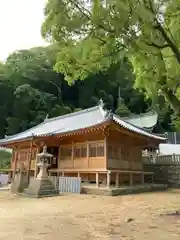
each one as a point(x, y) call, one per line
point(162, 159)
point(121, 164)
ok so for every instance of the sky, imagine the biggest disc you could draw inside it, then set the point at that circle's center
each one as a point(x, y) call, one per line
point(20, 25)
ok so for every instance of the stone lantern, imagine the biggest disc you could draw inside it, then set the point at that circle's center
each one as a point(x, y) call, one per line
point(43, 163)
point(42, 186)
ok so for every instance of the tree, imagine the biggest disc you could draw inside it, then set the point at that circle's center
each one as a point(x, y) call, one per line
point(6, 98)
point(5, 159)
point(36, 89)
point(31, 90)
point(122, 110)
point(96, 34)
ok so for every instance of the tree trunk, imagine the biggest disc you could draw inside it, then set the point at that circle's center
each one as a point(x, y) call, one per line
point(173, 101)
point(172, 44)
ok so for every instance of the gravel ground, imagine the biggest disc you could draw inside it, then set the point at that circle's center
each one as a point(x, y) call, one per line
point(132, 217)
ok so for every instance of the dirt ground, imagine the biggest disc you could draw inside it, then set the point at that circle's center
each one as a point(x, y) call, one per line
point(90, 217)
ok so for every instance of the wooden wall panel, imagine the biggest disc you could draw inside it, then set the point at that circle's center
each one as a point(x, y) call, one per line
point(78, 155)
point(97, 163)
point(123, 152)
point(80, 163)
point(66, 163)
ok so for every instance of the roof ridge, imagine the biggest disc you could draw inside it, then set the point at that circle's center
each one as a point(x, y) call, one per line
point(72, 114)
point(53, 119)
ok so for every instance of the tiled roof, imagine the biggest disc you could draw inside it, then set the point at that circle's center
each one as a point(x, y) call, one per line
point(145, 120)
point(75, 121)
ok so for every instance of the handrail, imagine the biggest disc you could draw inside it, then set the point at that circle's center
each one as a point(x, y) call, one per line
point(99, 171)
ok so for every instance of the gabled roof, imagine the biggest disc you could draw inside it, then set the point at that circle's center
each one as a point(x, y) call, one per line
point(146, 120)
point(76, 121)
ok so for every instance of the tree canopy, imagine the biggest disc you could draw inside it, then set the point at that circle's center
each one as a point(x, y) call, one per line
point(31, 90)
point(96, 34)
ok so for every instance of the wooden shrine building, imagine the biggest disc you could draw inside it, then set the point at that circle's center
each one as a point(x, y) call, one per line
point(93, 143)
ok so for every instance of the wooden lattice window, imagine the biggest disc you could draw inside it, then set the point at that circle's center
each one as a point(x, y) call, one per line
point(66, 152)
point(114, 152)
point(125, 154)
point(96, 150)
point(80, 151)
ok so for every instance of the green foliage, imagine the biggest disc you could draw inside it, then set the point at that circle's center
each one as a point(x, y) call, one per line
point(94, 36)
point(31, 90)
point(5, 159)
point(123, 111)
point(175, 122)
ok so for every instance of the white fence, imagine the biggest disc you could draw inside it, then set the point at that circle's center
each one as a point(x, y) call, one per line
point(67, 184)
point(4, 179)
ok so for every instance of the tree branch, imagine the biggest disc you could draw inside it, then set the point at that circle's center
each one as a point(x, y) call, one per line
point(88, 15)
point(158, 46)
point(160, 28)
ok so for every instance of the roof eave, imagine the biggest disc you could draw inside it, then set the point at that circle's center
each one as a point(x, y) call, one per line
point(68, 133)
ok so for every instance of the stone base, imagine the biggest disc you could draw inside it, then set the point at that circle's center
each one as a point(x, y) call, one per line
point(19, 183)
point(41, 188)
point(123, 190)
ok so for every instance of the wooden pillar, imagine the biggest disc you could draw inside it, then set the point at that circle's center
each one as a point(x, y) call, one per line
point(30, 158)
point(117, 179)
point(88, 155)
point(106, 152)
point(59, 158)
point(72, 154)
point(36, 161)
point(108, 179)
point(132, 157)
point(13, 159)
point(78, 174)
point(97, 179)
point(131, 179)
point(142, 178)
point(152, 178)
point(15, 163)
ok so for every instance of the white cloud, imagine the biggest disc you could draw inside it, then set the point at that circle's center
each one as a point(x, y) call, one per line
point(20, 24)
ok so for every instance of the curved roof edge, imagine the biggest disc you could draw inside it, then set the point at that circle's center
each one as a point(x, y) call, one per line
point(76, 121)
point(145, 120)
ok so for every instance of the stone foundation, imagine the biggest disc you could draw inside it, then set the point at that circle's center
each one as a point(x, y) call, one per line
point(39, 187)
point(19, 183)
point(124, 190)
